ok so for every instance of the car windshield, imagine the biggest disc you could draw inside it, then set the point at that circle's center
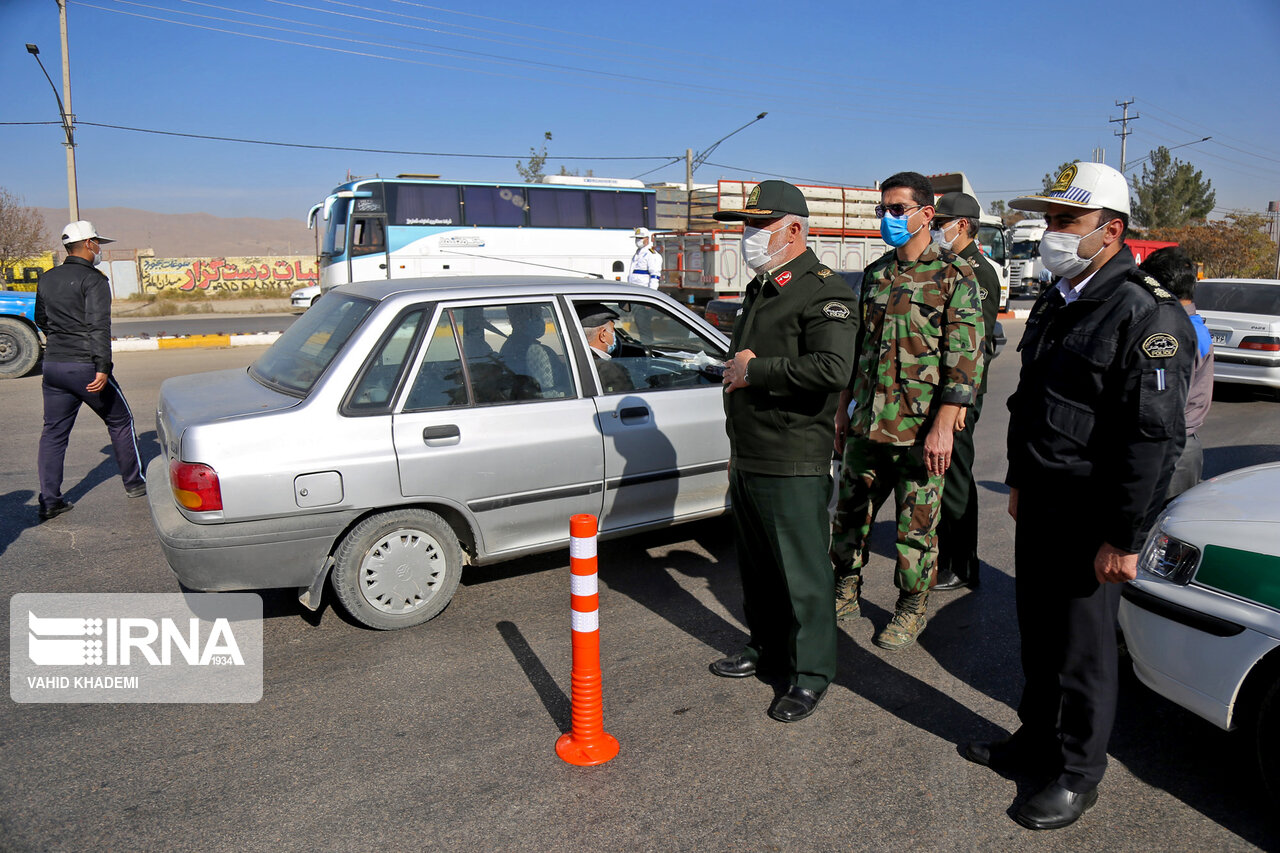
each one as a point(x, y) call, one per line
point(1239, 297)
point(304, 351)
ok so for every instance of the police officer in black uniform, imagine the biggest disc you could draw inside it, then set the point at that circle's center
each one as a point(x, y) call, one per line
point(955, 228)
point(73, 309)
point(1095, 427)
point(792, 354)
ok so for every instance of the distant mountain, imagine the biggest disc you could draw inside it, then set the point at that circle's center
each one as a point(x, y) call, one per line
point(188, 235)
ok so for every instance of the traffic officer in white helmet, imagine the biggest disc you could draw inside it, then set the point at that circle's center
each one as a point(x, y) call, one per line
point(646, 264)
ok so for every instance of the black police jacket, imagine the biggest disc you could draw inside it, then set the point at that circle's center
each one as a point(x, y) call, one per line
point(73, 309)
point(1101, 396)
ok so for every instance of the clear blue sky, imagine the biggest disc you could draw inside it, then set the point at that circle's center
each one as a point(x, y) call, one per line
point(854, 90)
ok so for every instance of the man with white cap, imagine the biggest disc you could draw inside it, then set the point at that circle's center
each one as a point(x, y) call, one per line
point(73, 309)
point(1095, 427)
point(646, 264)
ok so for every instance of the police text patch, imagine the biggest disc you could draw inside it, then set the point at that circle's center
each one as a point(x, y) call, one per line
point(1160, 345)
point(982, 294)
point(836, 311)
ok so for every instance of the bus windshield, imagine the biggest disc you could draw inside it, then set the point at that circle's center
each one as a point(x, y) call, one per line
point(335, 236)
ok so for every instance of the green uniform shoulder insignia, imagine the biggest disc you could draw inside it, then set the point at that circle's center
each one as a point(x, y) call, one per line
point(822, 272)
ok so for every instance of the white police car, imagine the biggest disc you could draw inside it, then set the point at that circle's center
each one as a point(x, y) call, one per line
point(1202, 619)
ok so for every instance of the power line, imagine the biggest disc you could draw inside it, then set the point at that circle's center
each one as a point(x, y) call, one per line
point(348, 148)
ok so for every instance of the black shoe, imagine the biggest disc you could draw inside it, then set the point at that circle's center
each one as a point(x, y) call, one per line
point(48, 512)
point(734, 666)
point(1010, 755)
point(136, 491)
point(796, 704)
point(947, 580)
point(1055, 807)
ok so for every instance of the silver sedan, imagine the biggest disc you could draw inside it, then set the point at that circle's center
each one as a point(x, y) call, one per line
point(401, 429)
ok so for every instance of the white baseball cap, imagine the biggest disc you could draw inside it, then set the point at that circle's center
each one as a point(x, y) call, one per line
point(1086, 185)
point(642, 232)
point(81, 229)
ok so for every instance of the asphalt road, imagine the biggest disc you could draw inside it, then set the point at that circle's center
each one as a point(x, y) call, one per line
point(442, 736)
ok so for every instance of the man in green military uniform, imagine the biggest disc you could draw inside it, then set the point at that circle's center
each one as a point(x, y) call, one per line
point(955, 226)
point(792, 354)
point(916, 370)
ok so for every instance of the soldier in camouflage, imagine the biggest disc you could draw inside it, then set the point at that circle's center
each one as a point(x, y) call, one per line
point(917, 367)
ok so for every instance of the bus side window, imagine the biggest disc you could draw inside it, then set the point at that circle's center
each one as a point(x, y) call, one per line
point(368, 235)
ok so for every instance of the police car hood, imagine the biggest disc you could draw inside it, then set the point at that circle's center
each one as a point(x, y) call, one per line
point(1249, 495)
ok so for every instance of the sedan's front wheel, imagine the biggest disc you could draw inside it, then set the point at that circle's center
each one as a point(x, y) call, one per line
point(1266, 736)
point(397, 569)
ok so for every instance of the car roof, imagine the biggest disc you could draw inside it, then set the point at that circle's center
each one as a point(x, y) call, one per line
point(462, 286)
point(1263, 281)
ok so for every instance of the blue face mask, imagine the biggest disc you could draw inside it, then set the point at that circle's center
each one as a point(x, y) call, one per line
point(613, 344)
point(894, 229)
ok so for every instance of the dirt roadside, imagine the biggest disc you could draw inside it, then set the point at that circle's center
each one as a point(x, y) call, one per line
point(129, 308)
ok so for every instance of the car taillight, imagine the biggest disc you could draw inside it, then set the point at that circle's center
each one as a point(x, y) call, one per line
point(1261, 342)
point(713, 320)
point(195, 486)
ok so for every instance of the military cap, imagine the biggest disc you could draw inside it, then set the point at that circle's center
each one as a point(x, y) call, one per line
point(957, 205)
point(592, 314)
point(769, 200)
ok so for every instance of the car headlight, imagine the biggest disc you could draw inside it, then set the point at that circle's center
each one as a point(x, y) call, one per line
point(1169, 558)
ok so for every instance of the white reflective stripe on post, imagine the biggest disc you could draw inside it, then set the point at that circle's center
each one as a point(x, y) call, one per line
point(586, 622)
point(584, 584)
point(582, 548)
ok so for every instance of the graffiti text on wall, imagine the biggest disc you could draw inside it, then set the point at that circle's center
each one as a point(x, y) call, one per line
point(23, 275)
point(226, 275)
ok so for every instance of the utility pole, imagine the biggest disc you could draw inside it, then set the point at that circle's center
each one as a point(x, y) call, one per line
point(688, 169)
point(1124, 132)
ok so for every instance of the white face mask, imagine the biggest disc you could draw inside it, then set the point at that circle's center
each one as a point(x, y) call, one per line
point(939, 236)
point(1060, 252)
point(641, 242)
point(755, 246)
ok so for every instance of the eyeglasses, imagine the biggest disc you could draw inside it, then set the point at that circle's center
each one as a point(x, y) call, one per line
point(895, 209)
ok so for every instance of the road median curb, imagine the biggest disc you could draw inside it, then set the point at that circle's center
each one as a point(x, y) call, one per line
point(145, 344)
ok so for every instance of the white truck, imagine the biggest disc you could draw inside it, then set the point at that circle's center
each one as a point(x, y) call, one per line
point(1025, 266)
point(702, 258)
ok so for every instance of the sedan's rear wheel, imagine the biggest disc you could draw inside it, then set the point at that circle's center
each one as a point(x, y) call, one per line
point(397, 569)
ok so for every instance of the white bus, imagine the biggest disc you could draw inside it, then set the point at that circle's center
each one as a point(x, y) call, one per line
point(375, 228)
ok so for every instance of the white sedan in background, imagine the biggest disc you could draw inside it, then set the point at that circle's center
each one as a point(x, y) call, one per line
point(305, 297)
point(1202, 619)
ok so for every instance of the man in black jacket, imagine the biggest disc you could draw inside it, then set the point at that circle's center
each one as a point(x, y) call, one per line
point(791, 356)
point(73, 309)
point(1095, 427)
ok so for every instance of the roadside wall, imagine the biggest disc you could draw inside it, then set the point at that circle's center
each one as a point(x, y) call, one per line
point(226, 275)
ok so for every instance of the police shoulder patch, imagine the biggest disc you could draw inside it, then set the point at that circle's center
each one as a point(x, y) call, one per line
point(836, 310)
point(983, 294)
point(822, 272)
point(1160, 345)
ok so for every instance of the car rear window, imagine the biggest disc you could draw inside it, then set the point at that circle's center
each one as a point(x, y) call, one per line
point(1238, 296)
point(302, 354)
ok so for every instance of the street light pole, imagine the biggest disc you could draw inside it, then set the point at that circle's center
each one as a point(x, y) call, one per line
point(693, 161)
point(1172, 148)
point(64, 110)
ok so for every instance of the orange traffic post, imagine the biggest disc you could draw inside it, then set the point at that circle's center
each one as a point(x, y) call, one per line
point(587, 743)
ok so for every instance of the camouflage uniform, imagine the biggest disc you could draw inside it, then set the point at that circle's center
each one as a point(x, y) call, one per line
point(918, 348)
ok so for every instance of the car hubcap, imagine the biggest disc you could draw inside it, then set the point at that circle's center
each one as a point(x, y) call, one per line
point(8, 348)
point(402, 572)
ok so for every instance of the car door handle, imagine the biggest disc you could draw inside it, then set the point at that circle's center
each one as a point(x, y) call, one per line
point(441, 436)
point(634, 415)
